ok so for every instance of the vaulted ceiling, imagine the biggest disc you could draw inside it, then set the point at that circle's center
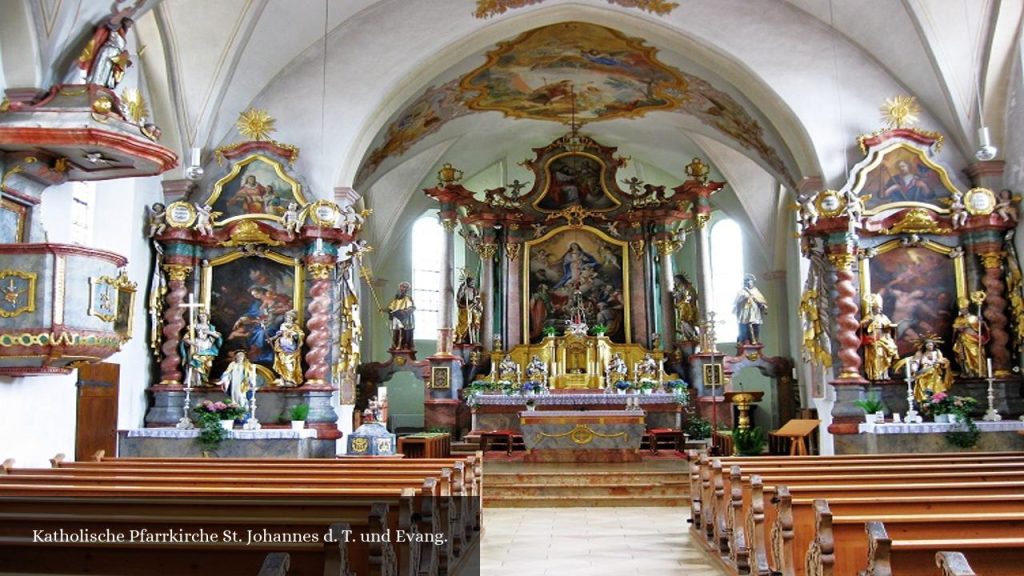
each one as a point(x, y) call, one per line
point(809, 74)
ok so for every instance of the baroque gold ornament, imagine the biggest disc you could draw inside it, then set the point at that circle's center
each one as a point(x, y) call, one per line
point(255, 124)
point(900, 111)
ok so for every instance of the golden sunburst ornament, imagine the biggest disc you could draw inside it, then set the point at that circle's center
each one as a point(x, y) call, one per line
point(900, 111)
point(255, 124)
point(134, 105)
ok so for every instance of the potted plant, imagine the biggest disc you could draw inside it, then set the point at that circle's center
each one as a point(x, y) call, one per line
point(215, 421)
point(939, 405)
point(647, 386)
point(599, 329)
point(748, 441)
point(549, 331)
point(872, 406)
point(298, 414)
point(622, 386)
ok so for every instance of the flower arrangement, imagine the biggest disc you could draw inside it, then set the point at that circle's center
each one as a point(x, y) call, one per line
point(533, 387)
point(964, 433)
point(478, 387)
point(623, 385)
point(209, 414)
point(550, 331)
point(599, 329)
point(648, 385)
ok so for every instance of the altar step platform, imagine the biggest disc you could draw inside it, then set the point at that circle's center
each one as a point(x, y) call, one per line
point(653, 482)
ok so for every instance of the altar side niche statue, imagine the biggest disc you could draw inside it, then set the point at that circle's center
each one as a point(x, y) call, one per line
point(199, 349)
point(470, 317)
point(958, 210)
point(616, 370)
point(239, 379)
point(400, 310)
point(929, 368)
point(287, 346)
point(204, 219)
point(156, 220)
point(750, 308)
point(808, 213)
point(647, 369)
point(969, 343)
point(105, 58)
point(537, 370)
point(876, 335)
point(508, 369)
point(684, 298)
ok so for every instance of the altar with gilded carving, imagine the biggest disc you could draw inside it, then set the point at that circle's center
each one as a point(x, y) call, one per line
point(582, 436)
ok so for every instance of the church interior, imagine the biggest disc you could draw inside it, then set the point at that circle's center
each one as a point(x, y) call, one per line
point(747, 272)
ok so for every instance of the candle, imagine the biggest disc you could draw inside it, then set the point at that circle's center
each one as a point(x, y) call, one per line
point(794, 372)
point(988, 362)
point(197, 157)
point(907, 366)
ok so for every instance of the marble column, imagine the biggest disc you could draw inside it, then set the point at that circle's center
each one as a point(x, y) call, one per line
point(174, 323)
point(667, 328)
point(487, 294)
point(319, 268)
point(444, 332)
point(704, 267)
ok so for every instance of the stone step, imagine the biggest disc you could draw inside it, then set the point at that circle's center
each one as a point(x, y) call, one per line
point(587, 501)
point(588, 490)
point(580, 478)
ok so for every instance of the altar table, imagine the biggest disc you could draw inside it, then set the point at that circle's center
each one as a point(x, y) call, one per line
point(892, 438)
point(582, 436)
point(499, 412)
point(175, 443)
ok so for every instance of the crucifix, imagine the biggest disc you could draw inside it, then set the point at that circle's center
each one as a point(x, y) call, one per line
point(185, 423)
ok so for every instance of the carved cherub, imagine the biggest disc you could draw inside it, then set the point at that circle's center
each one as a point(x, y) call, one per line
point(808, 212)
point(854, 205)
point(156, 220)
point(958, 209)
point(292, 218)
point(204, 219)
point(1005, 207)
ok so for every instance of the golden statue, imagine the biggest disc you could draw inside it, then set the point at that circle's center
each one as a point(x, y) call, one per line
point(471, 312)
point(929, 368)
point(876, 335)
point(971, 334)
point(287, 345)
point(684, 298)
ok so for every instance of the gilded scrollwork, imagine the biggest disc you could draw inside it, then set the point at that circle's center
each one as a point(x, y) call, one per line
point(319, 270)
point(177, 272)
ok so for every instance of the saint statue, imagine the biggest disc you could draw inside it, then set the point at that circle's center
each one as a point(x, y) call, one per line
point(537, 370)
point(400, 311)
point(508, 369)
point(929, 368)
point(647, 369)
point(684, 297)
point(105, 58)
point(969, 344)
point(239, 379)
point(199, 349)
point(287, 346)
point(467, 299)
point(876, 335)
point(750, 308)
point(616, 370)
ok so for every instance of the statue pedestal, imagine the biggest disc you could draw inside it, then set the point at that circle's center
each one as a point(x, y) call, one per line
point(371, 439)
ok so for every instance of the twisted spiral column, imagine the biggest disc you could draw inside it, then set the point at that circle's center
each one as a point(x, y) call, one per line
point(995, 310)
point(318, 325)
point(174, 323)
point(846, 317)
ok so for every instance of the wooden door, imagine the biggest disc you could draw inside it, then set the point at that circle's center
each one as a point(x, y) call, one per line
point(96, 427)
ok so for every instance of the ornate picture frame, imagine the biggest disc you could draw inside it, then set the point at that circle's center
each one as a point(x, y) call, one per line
point(180, 214)
point(979, 201)
point(14, 284)
point(13, 221)
point(901, 175)
point(124, 317)
point(256, 188)
point(103, 295)
point(575, 178)
point(440, 377)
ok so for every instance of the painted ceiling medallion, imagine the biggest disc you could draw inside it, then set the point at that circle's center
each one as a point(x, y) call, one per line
point(540, 73)
point(490, 8)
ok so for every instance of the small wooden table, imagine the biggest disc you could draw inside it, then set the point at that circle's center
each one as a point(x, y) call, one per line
point(507, 436)
point(656, 434)
point(797, 431)
point(426, 445)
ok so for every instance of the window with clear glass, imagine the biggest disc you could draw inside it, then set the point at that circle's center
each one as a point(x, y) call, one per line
point(427, 237)
point(726, 276)
point(82, 203)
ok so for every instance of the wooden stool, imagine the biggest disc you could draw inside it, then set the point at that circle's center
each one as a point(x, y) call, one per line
point(656, 434)
point(508, 436)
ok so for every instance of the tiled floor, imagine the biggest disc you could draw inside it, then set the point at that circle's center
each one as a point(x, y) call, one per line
point(590, 541)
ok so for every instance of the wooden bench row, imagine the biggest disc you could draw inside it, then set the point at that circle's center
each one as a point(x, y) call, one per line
point(289, 508)
point(729, 506)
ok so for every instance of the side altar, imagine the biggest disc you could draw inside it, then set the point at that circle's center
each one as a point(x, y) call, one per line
point(574, 436)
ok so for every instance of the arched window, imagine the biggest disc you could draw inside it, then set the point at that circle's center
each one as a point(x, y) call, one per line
point(83, 201)
point(427, 238)
point(726, 276)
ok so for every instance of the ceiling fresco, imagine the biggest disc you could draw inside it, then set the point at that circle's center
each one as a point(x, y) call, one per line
point(554, 72)
point(550, 73)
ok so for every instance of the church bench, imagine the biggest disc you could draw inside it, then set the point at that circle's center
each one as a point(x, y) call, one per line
point(911, 557)
point(797, 515)
point(840, 547)
point(278, 515)
point(275, 564)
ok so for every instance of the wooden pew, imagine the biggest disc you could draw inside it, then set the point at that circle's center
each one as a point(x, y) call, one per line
point(840, 547)
point(991, 556)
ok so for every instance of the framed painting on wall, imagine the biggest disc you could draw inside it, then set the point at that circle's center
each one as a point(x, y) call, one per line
point(258, 188)
point(248, 297)
point(567, 260)
point(903, 175)
point(575, 180)
point(919, 286)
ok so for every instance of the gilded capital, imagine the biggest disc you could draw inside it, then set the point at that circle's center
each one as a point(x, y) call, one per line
point(842, 261)
point(177, 272)
point(702, 220)
point(488, 250)
point(512, 250)
point(448, 224)
point(319, 270)
point(666, 246)
point(990, 260)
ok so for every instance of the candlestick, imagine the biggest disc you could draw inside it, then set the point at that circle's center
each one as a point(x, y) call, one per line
point(912, 416)
point(991, 415)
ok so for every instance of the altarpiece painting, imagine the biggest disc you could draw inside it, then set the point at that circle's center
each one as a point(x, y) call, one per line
point(576, 264)
point(903, 175)
point(256, 188)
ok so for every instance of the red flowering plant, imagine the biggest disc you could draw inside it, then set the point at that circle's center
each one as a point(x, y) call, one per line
point(209, 414)
point(937, 403)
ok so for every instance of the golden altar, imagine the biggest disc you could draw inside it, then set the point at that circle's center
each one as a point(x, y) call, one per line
point(578, 362)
